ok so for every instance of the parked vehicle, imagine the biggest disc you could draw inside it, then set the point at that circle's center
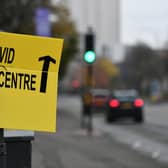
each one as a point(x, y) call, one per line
point(100, 97)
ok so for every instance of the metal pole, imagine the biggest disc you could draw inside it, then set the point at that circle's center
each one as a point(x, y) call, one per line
point(89, 84)
point(3, 150)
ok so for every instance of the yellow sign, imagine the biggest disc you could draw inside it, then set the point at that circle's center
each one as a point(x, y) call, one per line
point(29, 68)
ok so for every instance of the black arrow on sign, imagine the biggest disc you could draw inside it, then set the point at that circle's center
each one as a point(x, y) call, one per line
point(44, 76)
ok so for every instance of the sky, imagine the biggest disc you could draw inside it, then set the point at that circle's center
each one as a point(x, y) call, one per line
point(144, 20)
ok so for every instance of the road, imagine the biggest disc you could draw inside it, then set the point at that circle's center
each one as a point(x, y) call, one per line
point(120, 145)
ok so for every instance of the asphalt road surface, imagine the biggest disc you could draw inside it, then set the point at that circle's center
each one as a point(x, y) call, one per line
point(123, 144)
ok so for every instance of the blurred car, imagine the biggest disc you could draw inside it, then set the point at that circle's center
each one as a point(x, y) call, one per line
point(100, 97)
point(125, 103)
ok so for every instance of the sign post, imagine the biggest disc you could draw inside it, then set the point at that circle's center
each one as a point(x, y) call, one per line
point(3, 159)
point(29, 68)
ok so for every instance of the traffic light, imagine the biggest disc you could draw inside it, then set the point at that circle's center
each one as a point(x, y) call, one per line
point(89, 54)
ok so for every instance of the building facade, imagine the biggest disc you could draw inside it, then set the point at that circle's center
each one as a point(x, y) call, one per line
point(103, 16)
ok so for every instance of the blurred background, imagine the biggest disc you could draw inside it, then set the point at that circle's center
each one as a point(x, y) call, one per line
point(130, 42)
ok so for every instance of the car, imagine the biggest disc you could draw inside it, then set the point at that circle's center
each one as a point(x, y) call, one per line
point(99, 99)
point(125, 103)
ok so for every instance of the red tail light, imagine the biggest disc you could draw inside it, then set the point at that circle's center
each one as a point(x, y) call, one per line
point(114, 103)
point(138, 103)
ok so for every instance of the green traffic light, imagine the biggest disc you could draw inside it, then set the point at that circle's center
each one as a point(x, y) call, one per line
point(89, 57)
